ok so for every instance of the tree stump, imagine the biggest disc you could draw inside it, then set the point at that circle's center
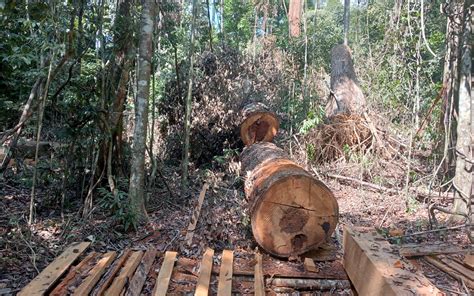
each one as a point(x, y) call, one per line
point(291, 212)
point(258, 124)
point(346, 95)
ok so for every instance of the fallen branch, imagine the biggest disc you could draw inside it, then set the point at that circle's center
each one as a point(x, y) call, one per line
point(313, 284)
point(386, 189)
point(435, 230)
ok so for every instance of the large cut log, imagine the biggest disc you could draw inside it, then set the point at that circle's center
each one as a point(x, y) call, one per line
point(291, 212)
point(258, 124)
point(346, 95)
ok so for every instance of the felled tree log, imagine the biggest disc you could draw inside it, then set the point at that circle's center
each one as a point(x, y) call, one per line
point(291, 212)
point(258, 124)
point(346, 95)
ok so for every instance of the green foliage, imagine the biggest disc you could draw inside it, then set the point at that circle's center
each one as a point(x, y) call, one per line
point(313, 119)
point(118, 206)
point(238, 22)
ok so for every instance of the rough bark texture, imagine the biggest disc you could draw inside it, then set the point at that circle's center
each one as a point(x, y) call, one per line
point(347, 97)
point(291, 212)
point(294, 17)
point(454, 28)
point(137, 174)
point(258, 124)
point(463, 176)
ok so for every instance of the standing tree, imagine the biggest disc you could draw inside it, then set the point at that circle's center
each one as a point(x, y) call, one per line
point(187, 118)
point(347, 7)
point(294, 16)
point(137, 171)
point(463, 178)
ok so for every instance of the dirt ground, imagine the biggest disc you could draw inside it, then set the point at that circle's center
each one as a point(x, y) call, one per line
point(223, 224)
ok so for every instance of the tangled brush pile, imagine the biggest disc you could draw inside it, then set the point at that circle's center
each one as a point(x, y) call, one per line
point(342, 135)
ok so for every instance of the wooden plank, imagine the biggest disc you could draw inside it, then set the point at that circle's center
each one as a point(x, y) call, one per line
point(309, 265)
point(163, 280)
point(469, 260)
point(62, 288)
point(202, 286)
point(309, 284)
point(110, 275)
point(375, 269)
point(457, 266)
point(274, 267)
point(447, 269)
point(125, 274)
point(139, 278)
point(196, 213)
point(94, 276)
point(224, 288)
point(41, 284)
point(429, 249)
point(258, 277)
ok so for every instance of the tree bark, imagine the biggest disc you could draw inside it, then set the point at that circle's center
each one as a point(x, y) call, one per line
point(346, 95)
point(454, 30)
point(137, 171)
point(291, 212)
point(465, 130)
point(294, 17)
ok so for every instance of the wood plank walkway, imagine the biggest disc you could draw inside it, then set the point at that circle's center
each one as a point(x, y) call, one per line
point(138, 272)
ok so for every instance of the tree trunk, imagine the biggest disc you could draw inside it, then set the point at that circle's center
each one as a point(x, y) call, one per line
point(187, 119)
point(291, 212)
point(294, 16)
point(258, 124)
point(137, 172)
point(347, 7)
point(346, 95)
point(465, 130)
point(451, 73)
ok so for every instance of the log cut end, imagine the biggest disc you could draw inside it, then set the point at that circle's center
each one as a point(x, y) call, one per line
point(258, 124)
point(291, 212)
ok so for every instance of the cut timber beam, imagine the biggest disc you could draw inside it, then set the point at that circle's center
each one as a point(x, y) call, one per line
point(224, 287)
point(139, 278)
point(375, 270)
point(51, 274)
point(110, 275)
point(163, 280)
point(95, 274)
point(202, 287)
point(74, 273)
point(195, 217)
point(125, 274)
point(258, 276)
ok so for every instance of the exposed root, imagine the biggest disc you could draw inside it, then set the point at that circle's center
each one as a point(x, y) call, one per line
point(343, 135)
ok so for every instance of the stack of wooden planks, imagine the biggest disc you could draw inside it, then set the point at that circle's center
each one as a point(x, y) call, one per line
point(149, 272)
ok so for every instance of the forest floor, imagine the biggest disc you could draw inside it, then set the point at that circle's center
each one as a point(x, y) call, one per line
point(223, 223)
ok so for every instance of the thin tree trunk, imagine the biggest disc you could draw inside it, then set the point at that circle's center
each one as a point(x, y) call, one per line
point(210, 24)
point(137, 171)
point(187, 119)
point(347, 5)
point(38, 135)
point(222, 21)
